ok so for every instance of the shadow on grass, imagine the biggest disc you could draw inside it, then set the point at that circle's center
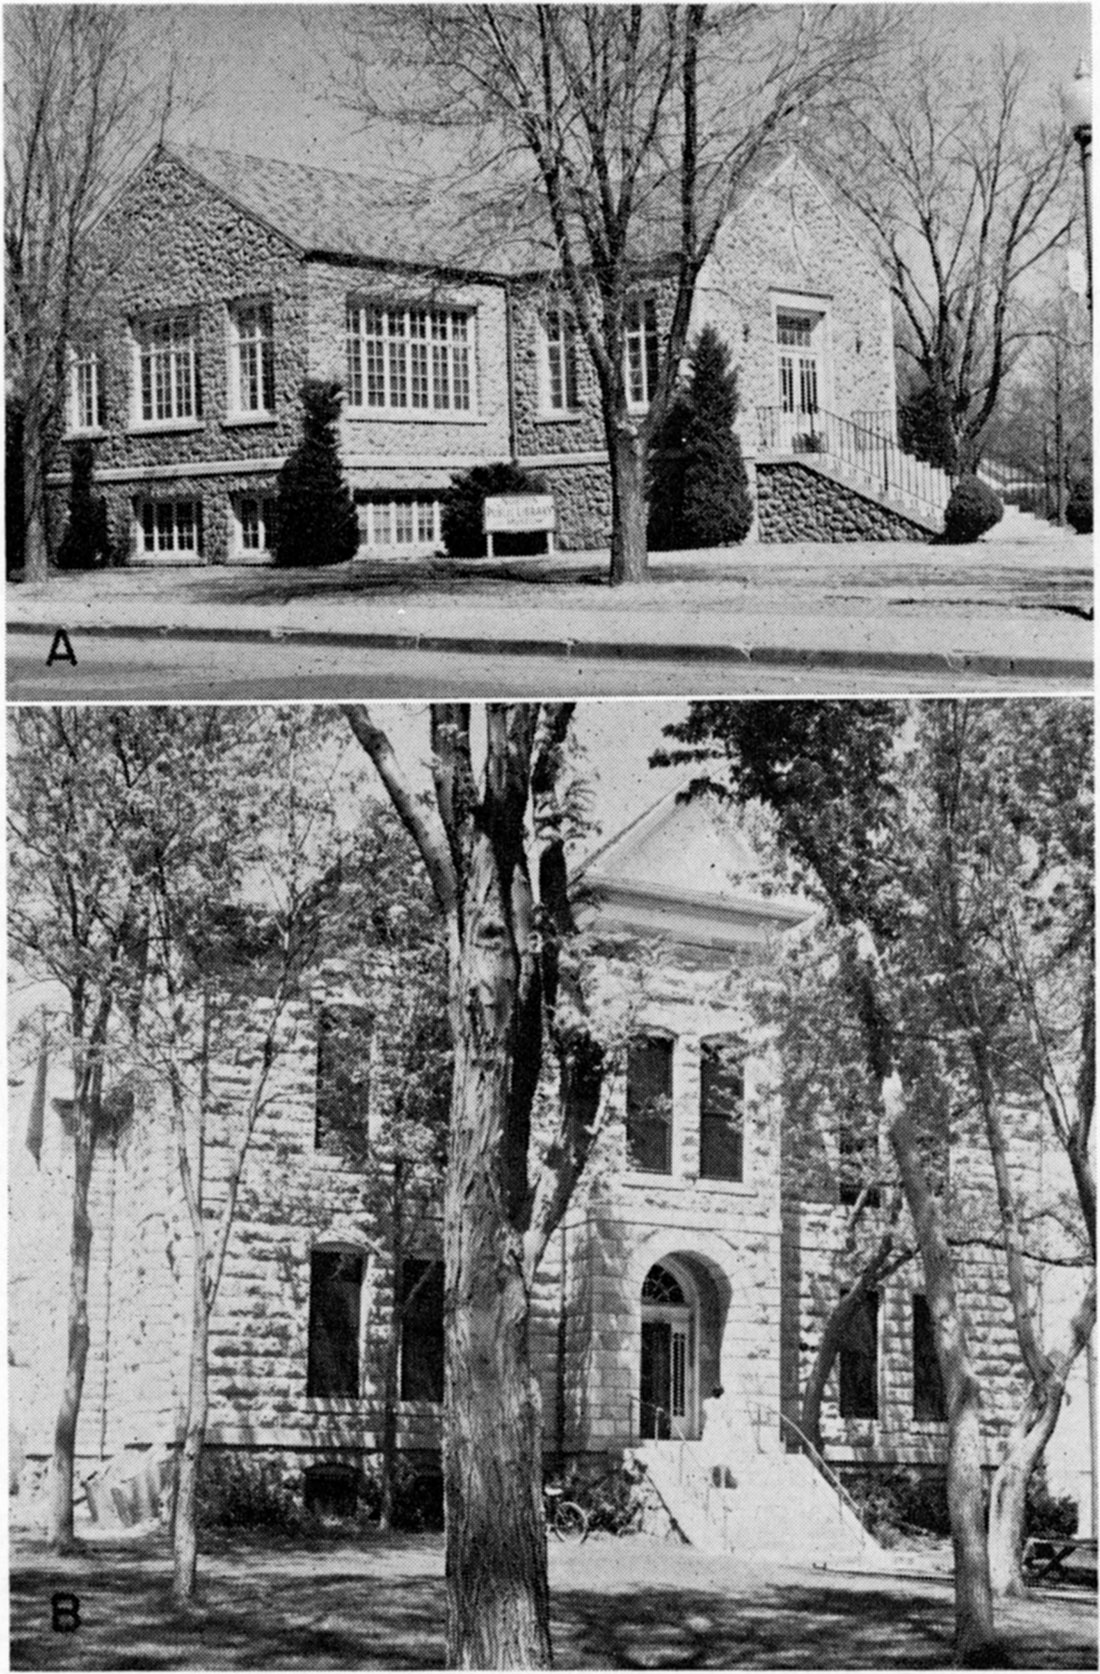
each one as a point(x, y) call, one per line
point(381, 579)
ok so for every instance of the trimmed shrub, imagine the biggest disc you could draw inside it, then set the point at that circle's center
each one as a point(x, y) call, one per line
point(901, 1502)
point(315, 521)
point(972, 510)
point(86, 543)
point(698, 486)
point(1079, 506)
point(463, 510)
point(237, 1491)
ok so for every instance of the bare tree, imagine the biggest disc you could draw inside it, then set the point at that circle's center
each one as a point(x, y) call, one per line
point(639, 124)
point(514, 988)
point(966, 192)
point(87, 90)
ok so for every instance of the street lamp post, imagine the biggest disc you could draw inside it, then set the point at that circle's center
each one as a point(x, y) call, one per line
point(1079, 113)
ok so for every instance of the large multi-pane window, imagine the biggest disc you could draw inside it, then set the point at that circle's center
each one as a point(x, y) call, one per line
point(169, 529)
point(929, 1401)
point(859, 1360)
point(421, 1293)
point(168, 368)
point(643, 357)
point(335, 1292)
point(798, 363)
point(252, 358)
point(561, 361)
point(721, 1111)
point(86, 394)
point(410, 359)
point(649, 1105)
point(406, 521)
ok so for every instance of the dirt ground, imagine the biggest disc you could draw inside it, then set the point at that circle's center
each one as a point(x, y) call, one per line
point(379, 1603)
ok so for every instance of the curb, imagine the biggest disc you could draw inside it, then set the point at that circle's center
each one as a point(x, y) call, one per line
point(914, 662)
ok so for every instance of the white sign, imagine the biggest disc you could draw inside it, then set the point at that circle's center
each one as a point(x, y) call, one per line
point(519, 514)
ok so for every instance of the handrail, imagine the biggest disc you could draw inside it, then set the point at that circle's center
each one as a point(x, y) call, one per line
point(865, 448)
point(699, 1480)
point(824, 1469)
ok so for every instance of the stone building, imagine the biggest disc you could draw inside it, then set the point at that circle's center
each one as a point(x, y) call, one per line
point(227, 280)
point(693, 1254)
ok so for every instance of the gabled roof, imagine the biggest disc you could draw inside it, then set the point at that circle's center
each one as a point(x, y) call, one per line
point(685, 871)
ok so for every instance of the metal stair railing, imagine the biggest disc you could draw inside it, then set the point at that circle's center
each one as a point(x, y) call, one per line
point(867, 449)
point(688, 1474)
point(824, 1470)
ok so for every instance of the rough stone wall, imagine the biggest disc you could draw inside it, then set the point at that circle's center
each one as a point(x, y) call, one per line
point(582, 495)
point(795, 503)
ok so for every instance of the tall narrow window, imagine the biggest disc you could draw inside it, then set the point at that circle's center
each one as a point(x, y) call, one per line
point(649, 1106)
point(929, 1403)
point(721, 1111)
point(168, 368)
point(798, 363)
point(859, 1361)
point(335, 1295)
point(254, 513)
point(421, 1330)
point(561, 361)
point(642, 350)
point(87, 407)
point(343, 1077)
point(252, 357)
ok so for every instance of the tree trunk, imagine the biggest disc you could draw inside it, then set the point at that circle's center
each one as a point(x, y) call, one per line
point(974, 1639)
point(627, 458)
point(1027, 1440)
point(62, 1533)
point(35, 553)
point(185, 1544)
point(391, 1355)
point(497, 1593)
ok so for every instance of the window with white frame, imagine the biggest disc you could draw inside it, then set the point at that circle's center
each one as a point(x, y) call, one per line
point(167, 368)
point(410, 359)
point(252, 358)
point(253, 515)
point(168, 529)
point(404, 521)
point(799, 362)
point(643, 350)
point(560, 382)
point(86, 393)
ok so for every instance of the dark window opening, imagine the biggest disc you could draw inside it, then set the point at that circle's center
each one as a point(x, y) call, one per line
point(335, 1291)
point(929, 1402)
point(343, 1077)
point(859, 1159)
point(421, 1330)
point(859, 1361)
point(721, 1112)
point(331, 1490)
point(649, 1106)
point(662, 1286)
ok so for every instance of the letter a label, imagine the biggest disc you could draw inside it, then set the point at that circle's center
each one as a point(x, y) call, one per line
point(61, 650)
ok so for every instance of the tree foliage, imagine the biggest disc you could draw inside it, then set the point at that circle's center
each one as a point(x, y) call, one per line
point(86, 543)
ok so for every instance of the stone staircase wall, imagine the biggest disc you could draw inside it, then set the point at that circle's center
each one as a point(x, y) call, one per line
point(816, 498)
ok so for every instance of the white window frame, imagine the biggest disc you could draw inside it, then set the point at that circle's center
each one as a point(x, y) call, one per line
point(265, 502)
point(252, 339)
point(158, 517)
point(816, 310)
point(85, 365)
point(559, 362)
point(411, 360)
point(383, 520)
point(173, 370)
point(642, 349)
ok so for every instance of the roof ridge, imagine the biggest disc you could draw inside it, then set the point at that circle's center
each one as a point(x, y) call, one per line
point(181, 148)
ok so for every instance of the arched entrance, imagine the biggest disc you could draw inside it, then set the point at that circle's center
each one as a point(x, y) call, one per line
point(670, 1336)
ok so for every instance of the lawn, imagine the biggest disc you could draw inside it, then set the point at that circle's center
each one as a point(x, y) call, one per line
point(378, 1603)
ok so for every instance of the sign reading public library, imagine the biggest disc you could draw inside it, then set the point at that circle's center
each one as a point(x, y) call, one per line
point(520, 514)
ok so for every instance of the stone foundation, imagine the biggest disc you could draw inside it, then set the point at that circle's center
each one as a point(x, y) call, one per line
point(797, 504)
point(582, 494)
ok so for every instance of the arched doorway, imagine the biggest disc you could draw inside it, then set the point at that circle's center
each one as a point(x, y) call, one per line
point(670, 1335)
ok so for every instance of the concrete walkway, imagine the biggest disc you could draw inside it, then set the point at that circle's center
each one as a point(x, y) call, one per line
point(996, 607)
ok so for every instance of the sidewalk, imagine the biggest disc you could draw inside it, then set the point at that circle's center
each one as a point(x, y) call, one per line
point(995, 607)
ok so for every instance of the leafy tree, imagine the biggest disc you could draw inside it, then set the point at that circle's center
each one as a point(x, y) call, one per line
point(699, 488)
point(463, 507)
point(515, 988)
point(832, 774)
point(86, 542)
point(315, 519)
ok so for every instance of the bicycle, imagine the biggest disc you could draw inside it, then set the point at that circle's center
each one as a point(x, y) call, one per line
point(564, 1518)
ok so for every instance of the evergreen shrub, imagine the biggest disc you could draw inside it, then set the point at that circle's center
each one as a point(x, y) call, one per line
point(1079, 505)
point(315, 520)
point(86, 543)
point(463, 510)
point(698, 486)
point(972, 510)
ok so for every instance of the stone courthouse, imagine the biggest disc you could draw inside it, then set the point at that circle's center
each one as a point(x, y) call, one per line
point(694, 1253)
point(227, 280)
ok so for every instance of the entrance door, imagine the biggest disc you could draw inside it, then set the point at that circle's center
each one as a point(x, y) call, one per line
point(799, 366)
point(667, 1382)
